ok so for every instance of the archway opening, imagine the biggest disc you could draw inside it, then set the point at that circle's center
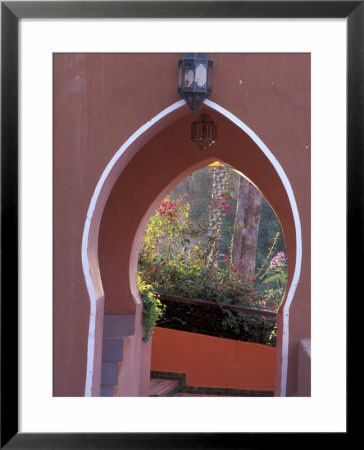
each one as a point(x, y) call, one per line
point(215, 238)
point(212, 263)
point(147, 174)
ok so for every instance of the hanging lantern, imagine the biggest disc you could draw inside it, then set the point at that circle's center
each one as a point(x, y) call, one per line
point(194, 79)
point(204, 131)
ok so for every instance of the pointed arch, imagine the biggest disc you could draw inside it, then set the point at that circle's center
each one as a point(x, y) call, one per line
point(111, 173)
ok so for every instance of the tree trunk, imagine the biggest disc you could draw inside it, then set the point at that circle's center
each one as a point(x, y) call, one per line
point(215, 217)
point(244, 245)
point(237, 239)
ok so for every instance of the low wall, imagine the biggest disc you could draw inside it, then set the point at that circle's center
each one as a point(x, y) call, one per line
point(213, 362)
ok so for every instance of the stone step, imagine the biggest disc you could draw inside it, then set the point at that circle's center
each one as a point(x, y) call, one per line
point(106, 391)
point(109, 374)
point(118, 326)
point(185, 394)
point(112, 350)
point(163, 388)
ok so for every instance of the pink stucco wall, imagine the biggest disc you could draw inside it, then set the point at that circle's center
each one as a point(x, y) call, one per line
point(99, 102)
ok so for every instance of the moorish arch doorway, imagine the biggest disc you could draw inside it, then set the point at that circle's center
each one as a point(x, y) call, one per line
point(153, 161)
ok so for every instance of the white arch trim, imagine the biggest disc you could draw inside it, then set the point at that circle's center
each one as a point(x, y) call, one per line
point(95, 199)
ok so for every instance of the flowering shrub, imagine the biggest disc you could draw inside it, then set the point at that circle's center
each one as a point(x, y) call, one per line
point(169, 263)
point(222, 204)
point(278, 261)
point(175, 259)
point(276, 274)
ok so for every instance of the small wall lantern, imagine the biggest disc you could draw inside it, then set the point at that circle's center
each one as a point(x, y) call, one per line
point(204, 131)
point(194, 79)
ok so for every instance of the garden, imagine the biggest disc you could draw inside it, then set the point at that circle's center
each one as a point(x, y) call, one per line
point(213, 260)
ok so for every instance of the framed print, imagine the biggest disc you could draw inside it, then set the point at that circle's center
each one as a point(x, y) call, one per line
point(90, 122)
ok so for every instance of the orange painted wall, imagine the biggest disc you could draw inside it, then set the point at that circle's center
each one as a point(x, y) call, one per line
point(214, 362)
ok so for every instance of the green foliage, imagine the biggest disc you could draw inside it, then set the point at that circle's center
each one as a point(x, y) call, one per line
point(228, 229)
point(171, 264)
point(269, 226)
point(152, 308)
point(199, 210)
point(179, 256)
point(174, 259)
point(196, 188)
point(262, 329)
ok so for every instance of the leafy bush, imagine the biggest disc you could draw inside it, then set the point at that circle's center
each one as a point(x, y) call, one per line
point(176, 258)
point(152, 308)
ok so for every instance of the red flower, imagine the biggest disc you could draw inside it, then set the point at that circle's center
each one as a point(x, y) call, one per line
point(253, 279)
point(251, 295)
point(151, 268)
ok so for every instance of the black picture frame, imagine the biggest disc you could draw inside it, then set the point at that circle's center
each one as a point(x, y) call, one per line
point(11, 12)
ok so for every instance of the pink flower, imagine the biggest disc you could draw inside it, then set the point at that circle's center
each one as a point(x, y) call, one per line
point(278, 260)
point(225, 258)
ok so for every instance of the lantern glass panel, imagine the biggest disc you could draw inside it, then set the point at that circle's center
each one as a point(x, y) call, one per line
point(188, 78)
point(201, 75)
